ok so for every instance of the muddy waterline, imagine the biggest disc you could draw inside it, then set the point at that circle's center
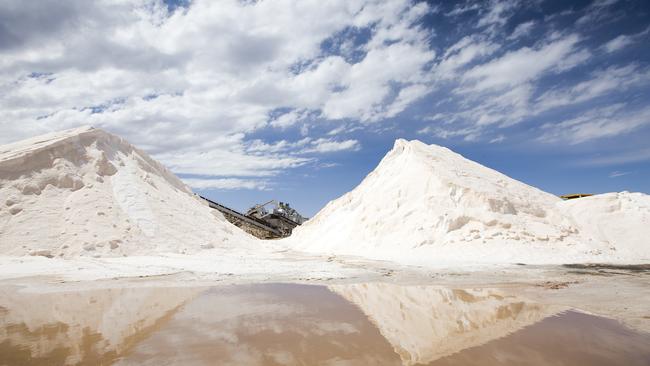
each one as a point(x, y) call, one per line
point(292, 324)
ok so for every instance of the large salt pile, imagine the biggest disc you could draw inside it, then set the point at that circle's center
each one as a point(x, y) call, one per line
point(87, 192)
point(425, 204)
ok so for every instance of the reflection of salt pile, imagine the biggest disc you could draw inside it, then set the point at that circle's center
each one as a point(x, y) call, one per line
point(425, 323)
point(85, 191)
point(427, 204)
point(270, 324)
point(88, 327)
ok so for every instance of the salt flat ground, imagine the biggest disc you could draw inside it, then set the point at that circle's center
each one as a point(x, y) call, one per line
point(619, 292)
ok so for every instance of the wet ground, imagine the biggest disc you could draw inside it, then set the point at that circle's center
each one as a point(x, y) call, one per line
point(346, 323)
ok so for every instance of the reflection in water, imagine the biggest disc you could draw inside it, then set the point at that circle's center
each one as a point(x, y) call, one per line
point(571, 338)
point(282, 324)
point(88, 327)
point(424, 323)
point(267, 325)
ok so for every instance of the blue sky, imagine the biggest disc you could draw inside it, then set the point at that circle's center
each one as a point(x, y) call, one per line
point(298, 101)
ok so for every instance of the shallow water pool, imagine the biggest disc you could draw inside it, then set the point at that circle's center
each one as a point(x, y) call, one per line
point(291, 324)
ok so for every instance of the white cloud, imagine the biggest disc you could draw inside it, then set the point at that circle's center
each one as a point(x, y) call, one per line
point(597, 12)
point(613, 120)
point(327, 165)
point(226, 183)
point(623, 41)
point(259, 146)
point(624, 157)
point(366, 87)
point(499, 91)
point(522, 65)
point(462, 9)
point(614, 78)
point(197, 87)
point(324, 145)
point(190, 86)
point(498, 139)
point(498, 12)
point(338, 130)
point(468, 133)
point(461, 54)
point(343, 129)
point(616, 174)
point(303, 146)
point(219, 161)
point(406, 97)
point(522, 30)
point(618, 43)
point(306, 145)
point(289, 119)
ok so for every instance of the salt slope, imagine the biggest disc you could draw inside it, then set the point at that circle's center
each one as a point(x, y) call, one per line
point(87, 192)
point(425, 204)
point(621, 220)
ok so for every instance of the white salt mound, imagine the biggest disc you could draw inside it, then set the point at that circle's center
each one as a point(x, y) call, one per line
point(425, 204)
point(622, 220)
point(87, 192)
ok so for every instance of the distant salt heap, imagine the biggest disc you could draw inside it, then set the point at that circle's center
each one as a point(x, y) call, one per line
point(87, 192)
point(620, 219)
point(425, 204)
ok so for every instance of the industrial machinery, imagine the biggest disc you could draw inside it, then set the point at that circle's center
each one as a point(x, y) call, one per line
point(575, 195)
point(275, 222)
point(278, 215)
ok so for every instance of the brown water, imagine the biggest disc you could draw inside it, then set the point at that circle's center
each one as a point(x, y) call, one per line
point(288, 324)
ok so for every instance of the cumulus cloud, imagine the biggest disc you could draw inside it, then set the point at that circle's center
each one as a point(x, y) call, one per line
point(226, 183)
point(230, 161)
point(324, 145)
point(289, 119)
point(190, 85)
point(222, 90)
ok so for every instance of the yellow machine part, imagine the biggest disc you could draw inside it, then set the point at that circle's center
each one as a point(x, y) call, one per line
point(575, 195)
